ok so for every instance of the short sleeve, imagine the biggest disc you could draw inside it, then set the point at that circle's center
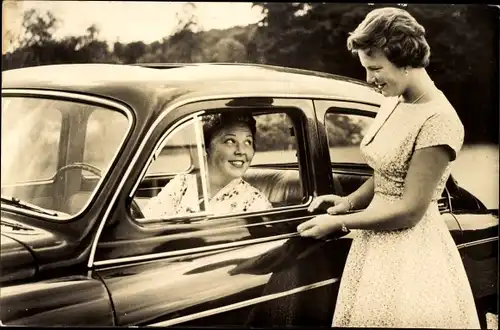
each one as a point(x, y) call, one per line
point(442, 129)
point(254, 199)
point(259, 203)
point(168, 200)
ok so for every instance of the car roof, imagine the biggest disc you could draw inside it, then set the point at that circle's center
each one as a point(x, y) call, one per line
point(166, 83)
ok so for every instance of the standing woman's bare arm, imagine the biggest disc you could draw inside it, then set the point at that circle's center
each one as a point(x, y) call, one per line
point(426, 168)
point(362, 197)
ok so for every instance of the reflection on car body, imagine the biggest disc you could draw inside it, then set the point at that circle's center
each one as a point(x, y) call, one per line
point(112, 136)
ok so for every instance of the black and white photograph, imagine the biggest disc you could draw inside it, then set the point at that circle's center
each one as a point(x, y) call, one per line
point(249, 164)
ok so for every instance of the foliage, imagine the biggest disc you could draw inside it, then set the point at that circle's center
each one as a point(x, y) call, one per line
point(463, 41)
point(274, 132)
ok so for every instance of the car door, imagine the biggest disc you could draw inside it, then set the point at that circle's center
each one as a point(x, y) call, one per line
point(205, 268)
point(478, 247)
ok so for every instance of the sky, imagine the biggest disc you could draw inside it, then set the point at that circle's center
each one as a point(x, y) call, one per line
point(129, 21)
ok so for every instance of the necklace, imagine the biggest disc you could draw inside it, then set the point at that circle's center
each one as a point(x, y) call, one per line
point(418, 98)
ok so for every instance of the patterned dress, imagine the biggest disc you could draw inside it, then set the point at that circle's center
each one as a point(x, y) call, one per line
point(180, 196)
point(412, 277)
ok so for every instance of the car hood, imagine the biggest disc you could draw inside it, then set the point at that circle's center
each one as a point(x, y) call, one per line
point(16, 260)
point(23, 248)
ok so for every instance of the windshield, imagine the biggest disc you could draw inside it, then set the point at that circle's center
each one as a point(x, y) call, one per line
point(54, 152)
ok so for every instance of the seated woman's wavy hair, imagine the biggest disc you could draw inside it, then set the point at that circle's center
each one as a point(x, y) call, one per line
point(396, 33)
point(212, 123)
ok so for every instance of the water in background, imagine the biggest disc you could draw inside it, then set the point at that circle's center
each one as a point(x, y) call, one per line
point(476, 168)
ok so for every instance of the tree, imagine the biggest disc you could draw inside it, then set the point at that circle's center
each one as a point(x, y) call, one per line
point(37, 45)
point(38, 29)
point(228, 50)
point(464, 60)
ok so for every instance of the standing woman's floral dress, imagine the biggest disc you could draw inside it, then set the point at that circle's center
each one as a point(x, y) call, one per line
point(180, 196)
point(412, 277)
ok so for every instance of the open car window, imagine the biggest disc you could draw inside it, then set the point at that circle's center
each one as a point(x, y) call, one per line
point(344, 133)
point(177, 183)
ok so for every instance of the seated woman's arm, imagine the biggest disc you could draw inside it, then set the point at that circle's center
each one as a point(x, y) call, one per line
point(168, 199)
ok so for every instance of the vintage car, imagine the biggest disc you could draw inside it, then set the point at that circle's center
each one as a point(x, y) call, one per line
point(85, 146)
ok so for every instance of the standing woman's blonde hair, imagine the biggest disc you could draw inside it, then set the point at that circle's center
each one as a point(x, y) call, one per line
point(396, 33)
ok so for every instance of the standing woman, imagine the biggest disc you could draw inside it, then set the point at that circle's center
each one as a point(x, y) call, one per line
point(403, 269)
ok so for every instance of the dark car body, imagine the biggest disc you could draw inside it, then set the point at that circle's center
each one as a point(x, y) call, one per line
point(96, 265)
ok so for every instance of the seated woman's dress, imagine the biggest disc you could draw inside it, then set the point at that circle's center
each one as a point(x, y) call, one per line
point(411, 277)
point(180, 196)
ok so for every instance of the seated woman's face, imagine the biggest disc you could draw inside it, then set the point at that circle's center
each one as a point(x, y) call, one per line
point(231, 151)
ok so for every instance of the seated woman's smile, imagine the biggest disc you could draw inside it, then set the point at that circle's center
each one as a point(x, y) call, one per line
point(230, 153)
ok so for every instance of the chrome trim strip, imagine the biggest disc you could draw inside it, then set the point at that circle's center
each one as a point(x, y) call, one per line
point(152, 256)
point(448, 195)
point(210, 231)
point(78, 98)
point(156, 150)
point(167, 110)
point(478, 242)
point(172, 259)
point(268, 212)
point(201, 160)
point(264, 213)
point(243, 304)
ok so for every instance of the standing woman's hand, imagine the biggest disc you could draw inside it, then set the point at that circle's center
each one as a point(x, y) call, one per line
point(332, 203)
point(320, 226)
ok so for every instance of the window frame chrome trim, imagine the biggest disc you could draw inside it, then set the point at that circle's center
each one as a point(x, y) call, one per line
point(477, 242)
point(274, 210)
point(78, 98)
point(216, 247)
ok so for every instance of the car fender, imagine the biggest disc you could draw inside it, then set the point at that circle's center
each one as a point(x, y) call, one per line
point(70, 301)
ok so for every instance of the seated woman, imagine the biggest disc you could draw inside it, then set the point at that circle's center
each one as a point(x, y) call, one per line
point(229, 145)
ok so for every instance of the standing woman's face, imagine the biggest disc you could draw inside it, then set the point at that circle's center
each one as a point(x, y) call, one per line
point(388, 78)
point(231, 151)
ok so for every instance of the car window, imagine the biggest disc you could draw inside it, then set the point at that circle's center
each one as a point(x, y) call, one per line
point(185, 171)
point(104, 132)
point(55, 151)
point(175, 169)
point(344, 133)
point(178, 153)
point(275, 140)
point(30, 140)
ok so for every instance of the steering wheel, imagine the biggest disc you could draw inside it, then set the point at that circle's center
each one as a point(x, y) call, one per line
point(84, 166)
point(135, 209)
